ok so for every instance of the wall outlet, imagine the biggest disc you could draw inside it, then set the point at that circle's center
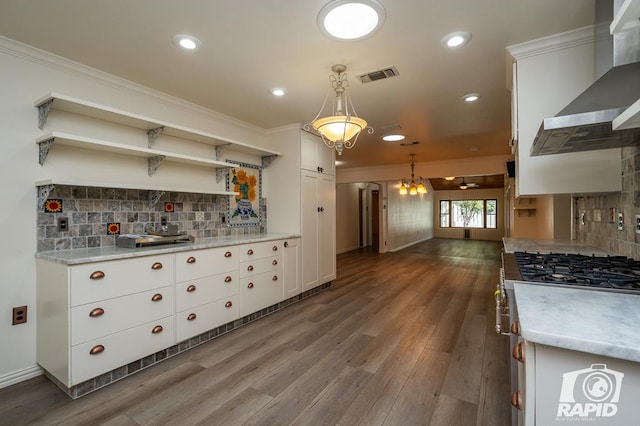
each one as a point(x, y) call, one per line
point(19, 315)
point(200, 216)
point(620, 221)
point(638, 224)
point(63, 224)
point(163, 221)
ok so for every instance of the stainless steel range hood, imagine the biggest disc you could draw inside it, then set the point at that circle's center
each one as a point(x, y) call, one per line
point(585, 124)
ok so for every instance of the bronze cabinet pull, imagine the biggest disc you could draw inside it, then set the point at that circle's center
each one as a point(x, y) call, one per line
point(191, 317)
point(156, 266)
point(227, 254)
point(157, 329)
point(250, 285)
point(191, 259)
point(286, 244)
point(96, 350)
point(515, 328)
point(96, 312)
point(274, 278)
point(274, 248)
point(227, 279)
point(191, 288)
point(516, 400)
point(275, 262)
point(518, 352)
point(156, 297)
point(97, 275)
point(250, 252)
point(228, 304)
point(250, 268)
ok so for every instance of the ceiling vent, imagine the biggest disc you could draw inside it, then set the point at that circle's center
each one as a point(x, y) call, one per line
point(379, 75)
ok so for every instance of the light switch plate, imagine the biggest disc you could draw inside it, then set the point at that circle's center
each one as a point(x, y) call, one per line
point(620, 221)
point(200, 216)
point(638, 224)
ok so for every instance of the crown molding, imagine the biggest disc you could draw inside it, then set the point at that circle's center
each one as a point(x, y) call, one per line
point(59, 63)
point(552, 43)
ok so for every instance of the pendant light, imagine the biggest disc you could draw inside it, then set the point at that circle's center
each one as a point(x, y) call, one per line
point(341, 129)
point(411, 187)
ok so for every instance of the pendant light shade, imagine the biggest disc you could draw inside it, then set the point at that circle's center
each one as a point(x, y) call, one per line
point(341, 129)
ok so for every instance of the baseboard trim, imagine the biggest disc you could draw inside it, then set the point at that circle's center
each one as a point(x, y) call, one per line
point(20, 376)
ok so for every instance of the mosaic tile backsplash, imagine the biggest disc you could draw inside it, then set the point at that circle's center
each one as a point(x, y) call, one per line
point(96, 215)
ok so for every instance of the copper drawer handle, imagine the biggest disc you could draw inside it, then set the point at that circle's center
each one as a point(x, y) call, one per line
point(250, 285)
point(274, 263)
point(250, 252)
point(274, 278)
point(250, 268)
point(191, 288)
point(516, 400)
point(191, 317)
point(156, 266)
point(518, 352)
point(96, 350)
point(274, 248)
point(227, 254)
point(227, 279)
point(96, 312)
point(157, 329)
point(97, 275)
point(191, 259)
point(515, 328)
point(228, 304)
point(156, 297)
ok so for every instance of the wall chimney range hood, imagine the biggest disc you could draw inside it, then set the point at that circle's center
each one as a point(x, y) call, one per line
point(586, 123)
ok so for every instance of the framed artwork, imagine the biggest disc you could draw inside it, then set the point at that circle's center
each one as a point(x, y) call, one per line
point(245, 209)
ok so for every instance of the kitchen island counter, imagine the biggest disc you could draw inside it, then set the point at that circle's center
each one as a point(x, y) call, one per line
point(597, 322)
point(512, 245)
point(99, 254)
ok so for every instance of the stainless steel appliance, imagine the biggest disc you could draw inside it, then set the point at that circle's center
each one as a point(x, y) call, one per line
point(588, 272)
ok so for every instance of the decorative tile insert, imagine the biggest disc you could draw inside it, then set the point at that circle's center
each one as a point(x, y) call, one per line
point(133, 367)
point(91, 209)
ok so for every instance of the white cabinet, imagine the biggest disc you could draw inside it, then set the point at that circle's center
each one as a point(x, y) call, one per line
point(261, 281)
point(315, 155)
point(318, 229)
point(291, 258)
point(95, 317)
point(550, 73)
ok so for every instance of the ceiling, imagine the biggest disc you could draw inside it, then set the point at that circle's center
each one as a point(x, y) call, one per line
point(251, 46)
point(484, 182)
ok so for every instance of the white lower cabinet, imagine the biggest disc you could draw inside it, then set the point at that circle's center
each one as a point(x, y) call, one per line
point(291, 270)
point(95, 317)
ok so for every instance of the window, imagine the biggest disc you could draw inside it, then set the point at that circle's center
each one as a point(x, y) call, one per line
point(468, 214)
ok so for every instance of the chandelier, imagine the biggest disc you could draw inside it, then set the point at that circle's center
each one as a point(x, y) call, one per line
point(341, 129)
point(412, 188)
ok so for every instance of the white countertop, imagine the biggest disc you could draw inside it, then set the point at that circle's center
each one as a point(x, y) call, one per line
point(99, 254)
point(512, 245)
point(598, 322)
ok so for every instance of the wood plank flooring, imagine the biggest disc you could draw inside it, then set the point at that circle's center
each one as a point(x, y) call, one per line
point(402, 338)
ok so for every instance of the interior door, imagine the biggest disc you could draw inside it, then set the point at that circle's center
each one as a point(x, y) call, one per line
point(375, 218)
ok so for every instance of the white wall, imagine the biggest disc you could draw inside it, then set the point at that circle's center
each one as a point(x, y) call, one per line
point(28, 74)
point(409, 217)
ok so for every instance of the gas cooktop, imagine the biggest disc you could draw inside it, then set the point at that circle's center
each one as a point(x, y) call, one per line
point(595, 272)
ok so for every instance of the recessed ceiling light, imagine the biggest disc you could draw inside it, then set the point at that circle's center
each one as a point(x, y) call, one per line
point(278, 92)
point(187, 42)
point(471, 97)
point(351, 19)
point(393, 138)
point(457, 39)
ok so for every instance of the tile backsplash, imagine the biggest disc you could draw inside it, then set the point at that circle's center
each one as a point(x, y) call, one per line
point(600, 212)
point(89, 210)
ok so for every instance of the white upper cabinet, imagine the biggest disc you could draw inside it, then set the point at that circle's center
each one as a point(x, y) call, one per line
point(550, 73)
point(315, 156)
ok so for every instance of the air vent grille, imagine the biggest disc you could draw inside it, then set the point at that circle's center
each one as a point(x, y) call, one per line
point(379, 75)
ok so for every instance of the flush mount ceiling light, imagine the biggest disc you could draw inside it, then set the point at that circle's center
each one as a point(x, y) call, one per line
point(187, 42)
point(341, 129)
point(457, 39)
point(351, 19)
point(449, 178)
point(412, 188)
point(393, 138)
point(471, 97)
point(278, 91)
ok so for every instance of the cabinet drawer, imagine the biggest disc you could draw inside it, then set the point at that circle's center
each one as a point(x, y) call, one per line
point(94, 320)
point(197, 320)
point(258, 266)
point(260, 291)
point(106, 280)
point(120, 349)
point(257, 250)
point(195, 264)
point(204, 290)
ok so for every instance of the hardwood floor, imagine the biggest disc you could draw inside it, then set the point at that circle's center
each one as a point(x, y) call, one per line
point(402, 338)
